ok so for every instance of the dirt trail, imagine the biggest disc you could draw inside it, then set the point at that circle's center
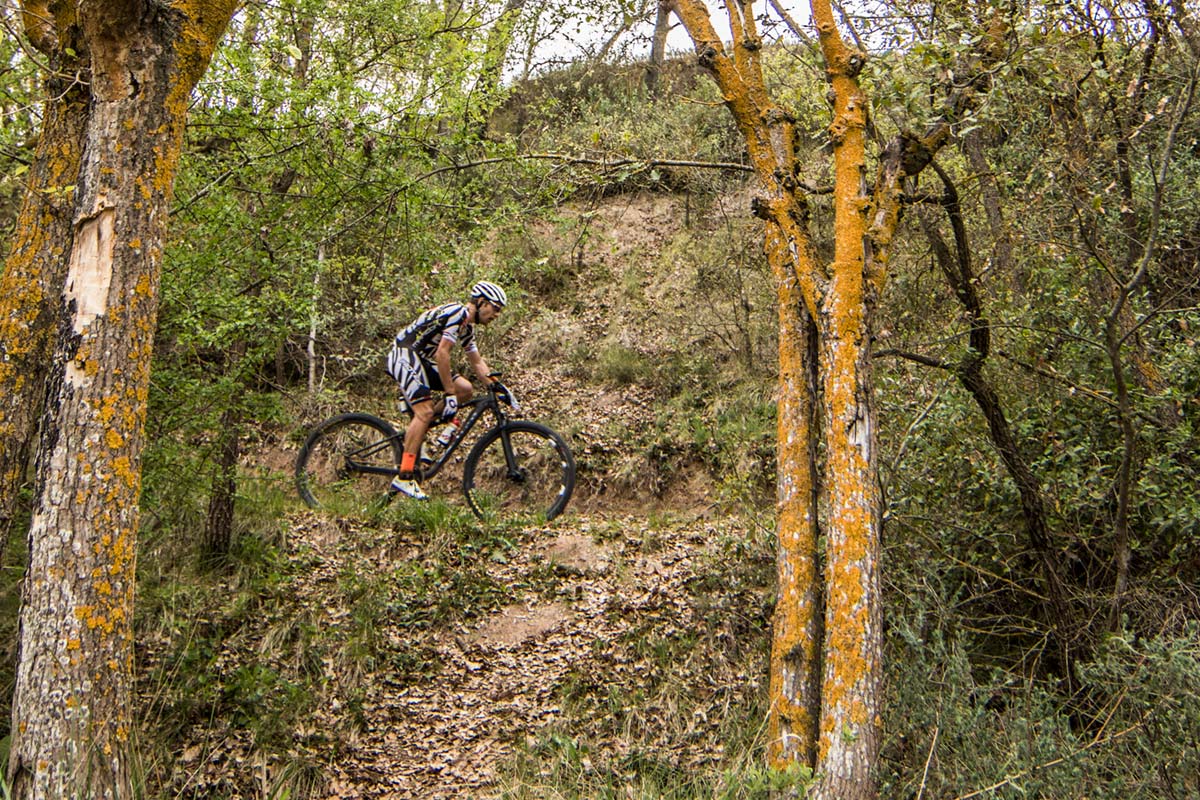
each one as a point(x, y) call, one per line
point(444, 735)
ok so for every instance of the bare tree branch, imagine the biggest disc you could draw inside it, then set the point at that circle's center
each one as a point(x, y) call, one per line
point(792, 25)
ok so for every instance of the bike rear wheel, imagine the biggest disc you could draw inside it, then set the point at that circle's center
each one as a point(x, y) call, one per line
point(347, 463)
point(520, 470)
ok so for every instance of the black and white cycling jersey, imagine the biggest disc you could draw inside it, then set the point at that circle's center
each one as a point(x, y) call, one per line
point(412, 361)
point(424, 335)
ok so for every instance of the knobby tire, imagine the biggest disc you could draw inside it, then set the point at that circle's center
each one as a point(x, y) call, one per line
point(333, 468)
point(519, 470)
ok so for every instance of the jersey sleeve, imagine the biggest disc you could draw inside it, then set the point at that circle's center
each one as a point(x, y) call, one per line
point(453, 322)
point(468, 339)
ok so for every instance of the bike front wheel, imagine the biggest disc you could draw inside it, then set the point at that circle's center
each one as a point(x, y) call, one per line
point(519, 470)
point(347, 463)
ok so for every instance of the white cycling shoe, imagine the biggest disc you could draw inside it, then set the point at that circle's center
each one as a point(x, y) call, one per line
point(408, 487)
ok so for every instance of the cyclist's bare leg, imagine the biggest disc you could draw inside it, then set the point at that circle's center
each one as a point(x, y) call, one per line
point(463, 389)
point(426, 413)
point(423, 413)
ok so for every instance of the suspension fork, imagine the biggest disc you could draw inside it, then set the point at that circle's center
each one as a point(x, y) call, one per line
point(515, 472)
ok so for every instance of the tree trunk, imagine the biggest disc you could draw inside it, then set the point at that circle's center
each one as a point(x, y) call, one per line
point(770, 137)
point(218, 527)
point(495, 53)
point(314, 320)
point(796, 641)
point(838, 300)
point(852, 705)
point(851, 709)
point(957, 269)
point(658, 49)
point(31, 287)
point(993, 204)
point(71, 704)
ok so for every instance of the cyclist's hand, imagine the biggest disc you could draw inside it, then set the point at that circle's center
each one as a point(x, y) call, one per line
point(451, 407)
point(504, 395)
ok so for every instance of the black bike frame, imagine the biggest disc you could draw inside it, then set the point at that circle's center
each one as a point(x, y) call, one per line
point(479, 406)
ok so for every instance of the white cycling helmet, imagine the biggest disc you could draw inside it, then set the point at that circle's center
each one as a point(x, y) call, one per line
point(490, 292)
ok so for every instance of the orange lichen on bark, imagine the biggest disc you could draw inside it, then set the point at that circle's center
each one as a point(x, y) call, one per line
point(769, 132)
point(795, 642)
point(839, 301)
point(850, 690)
point(105, 399)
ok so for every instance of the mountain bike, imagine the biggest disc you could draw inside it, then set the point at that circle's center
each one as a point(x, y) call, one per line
point(517, 468)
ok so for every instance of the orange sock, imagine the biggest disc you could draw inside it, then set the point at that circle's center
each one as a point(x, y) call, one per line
point(408, 462)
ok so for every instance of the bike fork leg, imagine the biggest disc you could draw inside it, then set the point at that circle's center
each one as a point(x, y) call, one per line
point(510, 458)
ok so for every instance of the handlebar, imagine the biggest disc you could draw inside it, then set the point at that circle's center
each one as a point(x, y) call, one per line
point(502, 392)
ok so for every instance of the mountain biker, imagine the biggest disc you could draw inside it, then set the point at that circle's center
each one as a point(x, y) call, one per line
point(420, 363)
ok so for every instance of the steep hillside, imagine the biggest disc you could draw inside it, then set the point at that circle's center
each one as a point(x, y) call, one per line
point(641, 327)
point(417, 654)
point(632, 362)
point(400, 659)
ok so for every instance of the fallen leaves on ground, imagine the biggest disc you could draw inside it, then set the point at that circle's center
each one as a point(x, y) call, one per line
point(607, 618)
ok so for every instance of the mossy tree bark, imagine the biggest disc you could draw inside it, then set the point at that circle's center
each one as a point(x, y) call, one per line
point(826, 654)
point(71, 706)
point(31, 286)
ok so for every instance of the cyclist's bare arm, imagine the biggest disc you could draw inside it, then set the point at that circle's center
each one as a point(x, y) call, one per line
point(442, 357)
point(479, 365)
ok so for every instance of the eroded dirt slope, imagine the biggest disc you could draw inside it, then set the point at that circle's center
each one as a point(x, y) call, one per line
point(579, 612)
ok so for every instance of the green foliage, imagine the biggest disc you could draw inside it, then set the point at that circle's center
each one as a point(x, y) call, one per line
point(733, 434)
point(958, 727)
point(990, 729)
point(308, 203)
point(326, 186)
point(642, 775)
point(255, 694)
point(12, 572)
point(451, 525)
point(1149, 713)
point(617, 364)
point(19, 127)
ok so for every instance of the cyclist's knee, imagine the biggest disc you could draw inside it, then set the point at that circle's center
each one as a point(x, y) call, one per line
point(423, 411)
point(463, 390)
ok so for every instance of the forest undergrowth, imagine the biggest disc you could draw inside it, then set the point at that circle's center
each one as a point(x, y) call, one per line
point(418, 654)
point(621, 651)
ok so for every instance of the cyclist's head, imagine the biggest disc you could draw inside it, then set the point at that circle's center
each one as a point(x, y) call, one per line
point(486, 290)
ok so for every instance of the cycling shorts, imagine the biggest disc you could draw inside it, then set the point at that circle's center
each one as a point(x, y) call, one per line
point(417, 377)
